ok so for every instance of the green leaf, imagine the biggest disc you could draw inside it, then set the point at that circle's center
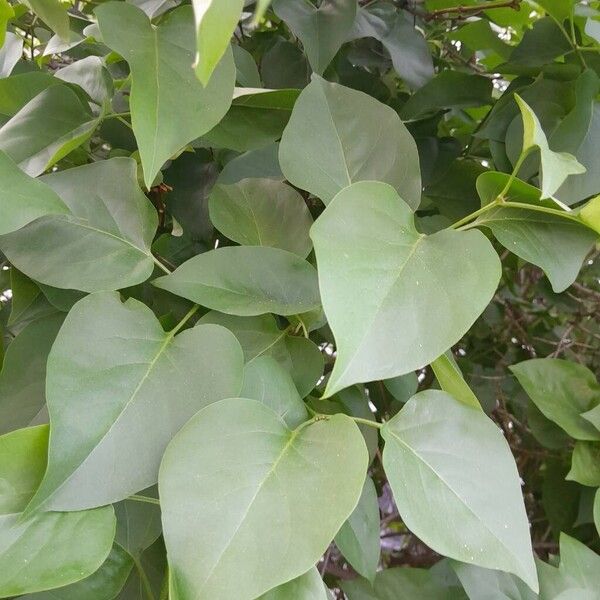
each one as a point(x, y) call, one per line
point(306, 587)
point(44, 543)
point(581, 563)
point(267, 381)
point(451, 380)
point(261, 163)
point(6, 14)
point(11, 51)
point(425, 292)
point(109, 232)
point(256, 119)
point(557, 244)
point(17, 90)
point(585, 464)
point(24, 294)
point(54, 14)
point(216, 21)
point(395, 29)
point(260, 336)
point(246, 71)
point(337, 136)
point(148, 576)
point(449, 89)
point(246, 281)
point(448, 464)
point(137, 385)
point(559, 9)
point(23, 376)
point(24, 199)
point(175, 89)
point(597, 510)
point(262, 212)
point(402, 387)
point(104, 584)
point(236, 462)
point(46, 129)
point(91, 75)
point(358, 538)
point(404, 583)
point(138, 523)
point(555, 166)
point(486, 583)
point(309, 24)
point(562, 390)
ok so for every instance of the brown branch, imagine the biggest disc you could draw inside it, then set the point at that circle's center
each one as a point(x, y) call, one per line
point(455, 12)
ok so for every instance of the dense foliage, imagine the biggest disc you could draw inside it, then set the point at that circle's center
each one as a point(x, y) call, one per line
point(299, 300)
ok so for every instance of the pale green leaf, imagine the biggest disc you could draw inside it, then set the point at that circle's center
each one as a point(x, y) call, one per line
point(424, 292)
point(24, 199)
point(482, 583)
point(46, 129)
point(597, 510)
point(358, 538)
point(555, 166)
point(246, 281)
point(337, 136)
point(54, 14)
point(136, 385)
point(39, 553)
point(11, 51)
point(322, 30)
point(216, 21)
point(260, 336)
point(279, 496)
point(456, 484)
point(103, 584)
point(562, 390)
point(109, 232)
point(174, 88)
point(267, 381)
point(580, 563)
point(262, 212)
point(306, 587)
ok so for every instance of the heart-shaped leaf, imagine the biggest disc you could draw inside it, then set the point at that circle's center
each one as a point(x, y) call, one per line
point(136, 385)
point(413, 295)
point(337, 136)
point(279, 496)
point(456, 484)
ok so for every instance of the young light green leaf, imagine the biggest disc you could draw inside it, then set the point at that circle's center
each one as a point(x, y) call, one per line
point(267, 381)
point(585, 464)
point(306, 587)
point(260, 336)
point(238, 464)
point(24, 199)
point(43, 543)
point(157, 57)
point(6, 14)
point(23, 375)
point(562, 390)
point(262, 212)
point(555, 166)
point(309, 24)
point(451, 380)
point(337, 136)
point(425, 292)
point(110, 231)
point(246, 281)
point(555, 243)
point(358, 538)
point(46, 129)
point(137, 385)
point(216, 21)
point(456, 484)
